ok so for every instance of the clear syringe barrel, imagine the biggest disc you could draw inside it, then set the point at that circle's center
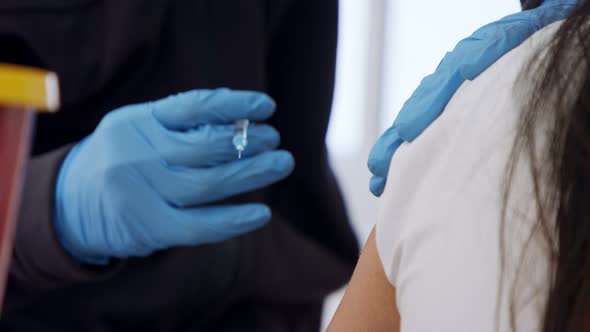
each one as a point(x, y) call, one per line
point(240, 139)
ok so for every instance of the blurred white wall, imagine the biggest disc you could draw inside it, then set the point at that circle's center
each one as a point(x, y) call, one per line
point(385, 48)
point(357, 104)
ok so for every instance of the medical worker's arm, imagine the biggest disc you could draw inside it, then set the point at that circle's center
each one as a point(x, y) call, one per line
point(301, 63)
point(309, 225)
point(469, 59)
point(308, 250)
point(369, 302)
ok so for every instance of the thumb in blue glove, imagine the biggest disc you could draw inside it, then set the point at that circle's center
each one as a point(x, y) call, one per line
point(470, 58)
point(147, 178)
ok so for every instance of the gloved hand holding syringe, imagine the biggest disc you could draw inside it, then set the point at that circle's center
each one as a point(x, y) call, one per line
point(154, 175)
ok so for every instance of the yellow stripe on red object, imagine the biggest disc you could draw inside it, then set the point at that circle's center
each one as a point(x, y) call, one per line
point(29, 87)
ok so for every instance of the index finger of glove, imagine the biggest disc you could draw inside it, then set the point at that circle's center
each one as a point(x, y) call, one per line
point(195, 108)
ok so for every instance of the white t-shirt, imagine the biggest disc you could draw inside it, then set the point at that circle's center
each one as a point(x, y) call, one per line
point(438, 233)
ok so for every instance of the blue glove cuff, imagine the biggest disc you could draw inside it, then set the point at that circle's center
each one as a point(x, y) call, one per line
point(61, 222)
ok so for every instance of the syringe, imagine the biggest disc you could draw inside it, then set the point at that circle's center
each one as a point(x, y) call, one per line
point(240, 139)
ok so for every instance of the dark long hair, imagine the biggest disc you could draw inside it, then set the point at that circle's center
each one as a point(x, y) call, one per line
point(559, 102)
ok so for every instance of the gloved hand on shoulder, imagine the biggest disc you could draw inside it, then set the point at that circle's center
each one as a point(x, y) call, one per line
point(470, 58)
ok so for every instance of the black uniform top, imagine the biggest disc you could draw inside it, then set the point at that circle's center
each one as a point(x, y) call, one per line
point(111, 53)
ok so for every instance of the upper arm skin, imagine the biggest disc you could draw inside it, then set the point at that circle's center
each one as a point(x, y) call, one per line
point(369, 302)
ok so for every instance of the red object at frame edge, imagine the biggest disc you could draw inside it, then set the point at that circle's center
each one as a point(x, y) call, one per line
point(16, 126)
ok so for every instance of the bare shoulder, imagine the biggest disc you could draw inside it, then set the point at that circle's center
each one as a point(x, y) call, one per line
point(369, 302)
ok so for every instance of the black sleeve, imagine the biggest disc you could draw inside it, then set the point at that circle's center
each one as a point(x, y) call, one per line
point(38, 260)
point(285, 276)
point(301, 62)
point(308, 250)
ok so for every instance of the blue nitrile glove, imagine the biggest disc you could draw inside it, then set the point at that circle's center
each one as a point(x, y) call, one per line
point(148, 177)
point(470, 58)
